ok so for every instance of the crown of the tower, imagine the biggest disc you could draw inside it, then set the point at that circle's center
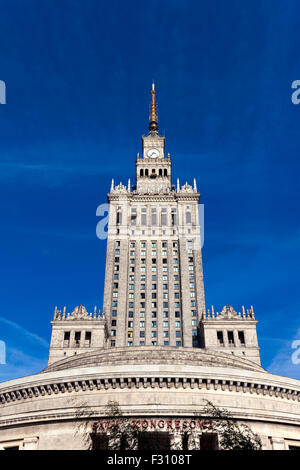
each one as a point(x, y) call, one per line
point(153, 119)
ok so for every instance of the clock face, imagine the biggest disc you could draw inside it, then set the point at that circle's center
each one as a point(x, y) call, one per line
point(153, 153)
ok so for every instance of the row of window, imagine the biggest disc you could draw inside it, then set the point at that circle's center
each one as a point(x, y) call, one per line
point(147, 172)
point(157, 217)
point(77, 338)
point(230, 337)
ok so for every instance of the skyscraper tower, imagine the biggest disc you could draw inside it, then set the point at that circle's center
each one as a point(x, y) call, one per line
point(154, 292)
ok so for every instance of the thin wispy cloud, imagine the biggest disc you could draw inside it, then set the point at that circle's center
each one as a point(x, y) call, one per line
point(28, 334)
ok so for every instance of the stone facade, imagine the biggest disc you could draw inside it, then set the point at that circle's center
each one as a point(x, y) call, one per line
point(155, 349)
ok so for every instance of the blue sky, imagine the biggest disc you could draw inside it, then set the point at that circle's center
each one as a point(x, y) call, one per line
point(78, 77)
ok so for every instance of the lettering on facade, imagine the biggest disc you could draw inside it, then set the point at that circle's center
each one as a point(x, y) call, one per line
point(149, 424)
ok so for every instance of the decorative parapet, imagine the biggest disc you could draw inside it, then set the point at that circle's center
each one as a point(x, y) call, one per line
point(187, 188)
point(79, 313)
point(228, 313)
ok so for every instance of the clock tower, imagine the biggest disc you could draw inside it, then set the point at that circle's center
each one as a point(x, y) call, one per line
point(153, 169)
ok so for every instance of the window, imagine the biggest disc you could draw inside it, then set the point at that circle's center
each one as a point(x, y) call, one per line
point(117, 259)
point(174, 216)
point(113, 333)
point(164, 216)
point(114, 313)
point(220, 337)
point(142, 304)
point(131, 286)
point(119, 217)
point(194, 332)
point(153, 314)
point(117, 243)
point(194, 322)
point(154, 277)
point(132, 244)
point(208, 441)
point(143, 286)
point(166, 343)
point(176, 295)
point(188, 217)
point(166, 314)
point(153, 295)
point(117, 252)
point(177, 314)
point(130, 334)
point(165, 286)
point(230, 337)
point(153, 304)
point(144, 216)
point(177, 304)
point(165, 304)
point(131, 304)
point(115, 294)
point(176, 286)
point(133, 216)
point(114, 323)
point(164, 244)
point(154, 325)
point(116, 277)
point(241, 337)
point(178, 343)
point(178, 334)
point(175, 244)
point(194, 313)
point(66, 338)
point(166, 324)
point(130, 314)
point(114, 303)
point(166, 334)
point(153, 218)
point(177, 324)
point(142, 334)
point(142, 324)
point(192, 285)
point(143, 244)
point(154, 286)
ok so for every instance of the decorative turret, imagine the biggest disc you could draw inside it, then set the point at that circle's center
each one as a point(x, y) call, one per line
point(76, 332)
point(231, 332)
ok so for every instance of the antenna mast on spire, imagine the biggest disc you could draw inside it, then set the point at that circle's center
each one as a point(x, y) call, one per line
point(153, 119)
